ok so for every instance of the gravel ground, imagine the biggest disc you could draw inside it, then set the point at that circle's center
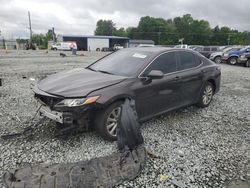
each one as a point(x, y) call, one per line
point(192, 147)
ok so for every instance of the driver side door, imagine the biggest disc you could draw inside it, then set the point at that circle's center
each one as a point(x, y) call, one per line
point(155, 96)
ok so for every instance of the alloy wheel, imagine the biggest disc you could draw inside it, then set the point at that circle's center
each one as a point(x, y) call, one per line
point(233, 61)
point(207, 95)
point(112, 121)
point(217, 60)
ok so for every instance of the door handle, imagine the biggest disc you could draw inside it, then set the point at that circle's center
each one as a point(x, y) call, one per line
point(177, 78)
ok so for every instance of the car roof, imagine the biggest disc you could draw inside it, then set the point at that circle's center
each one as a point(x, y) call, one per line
point(155, 50)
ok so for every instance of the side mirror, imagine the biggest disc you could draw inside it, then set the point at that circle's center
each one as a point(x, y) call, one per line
point(155, 74)
point(247, 50)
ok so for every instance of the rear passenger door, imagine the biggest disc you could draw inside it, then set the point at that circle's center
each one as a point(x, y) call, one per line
point(191, 76)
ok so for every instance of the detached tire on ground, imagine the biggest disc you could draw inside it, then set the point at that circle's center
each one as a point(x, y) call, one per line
point(107, 120)
point(206, 95)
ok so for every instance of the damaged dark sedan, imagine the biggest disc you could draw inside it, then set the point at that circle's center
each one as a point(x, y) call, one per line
point(158, 79)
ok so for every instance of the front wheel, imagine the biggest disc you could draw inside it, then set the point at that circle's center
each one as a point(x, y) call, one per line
point(107, 121)
point(247, 63)
point(206, 95)
point(233, 60)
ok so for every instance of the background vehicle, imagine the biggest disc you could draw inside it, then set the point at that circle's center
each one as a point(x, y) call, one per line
point(117, 47)
point(64, 46)
point(146, 45)
point(184, 46)
point(107, 49)
point(207, 50)
point(158, 79)
point(244, 59)
point(216, 56)
point(232, 56)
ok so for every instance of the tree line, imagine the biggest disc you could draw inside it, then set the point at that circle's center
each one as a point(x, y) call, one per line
point(170, 31)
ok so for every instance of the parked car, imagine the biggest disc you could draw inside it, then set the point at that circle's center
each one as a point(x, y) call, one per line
point(232, 57)
point(107, 49)
point(183, 46)
point(207, 50)
point(64, 46)
point(216, 56)
point(158, 79)
point(244, 59)
point(117, 47)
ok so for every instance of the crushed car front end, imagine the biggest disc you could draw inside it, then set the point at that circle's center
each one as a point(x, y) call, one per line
point(66, 111)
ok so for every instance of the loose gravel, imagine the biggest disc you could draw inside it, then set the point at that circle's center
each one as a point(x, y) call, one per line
point(190, 147)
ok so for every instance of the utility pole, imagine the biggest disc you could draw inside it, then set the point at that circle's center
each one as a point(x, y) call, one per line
point(228, 39)
point(159, 36)
point(30, 30)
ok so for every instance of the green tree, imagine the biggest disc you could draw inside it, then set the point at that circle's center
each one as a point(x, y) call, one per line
point(105, 28)
point(120, 32)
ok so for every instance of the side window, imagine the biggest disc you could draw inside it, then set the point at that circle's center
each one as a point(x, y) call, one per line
point(207, 49)
point(199, 49)
point(165, 62)
point(188, 60)
point(214, 49)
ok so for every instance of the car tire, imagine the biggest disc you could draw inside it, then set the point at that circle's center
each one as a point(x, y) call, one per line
point(217, 59)
point(247, 64)
point(107, 121)
point(232, 61)
point(206, 95)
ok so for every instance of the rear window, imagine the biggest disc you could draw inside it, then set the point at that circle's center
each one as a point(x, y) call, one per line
point(206, 49)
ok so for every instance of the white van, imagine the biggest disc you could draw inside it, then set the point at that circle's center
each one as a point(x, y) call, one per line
point(64, 46)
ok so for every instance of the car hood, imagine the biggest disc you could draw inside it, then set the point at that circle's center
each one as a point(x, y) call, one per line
point(216, 53)
point(77, 82)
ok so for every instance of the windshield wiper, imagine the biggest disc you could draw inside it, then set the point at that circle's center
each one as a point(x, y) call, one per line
point(105, 72)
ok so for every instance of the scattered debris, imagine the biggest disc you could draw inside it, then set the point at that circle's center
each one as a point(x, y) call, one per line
point(62, 55)
point(179, 184)
point(109, 171)
point(163, 177)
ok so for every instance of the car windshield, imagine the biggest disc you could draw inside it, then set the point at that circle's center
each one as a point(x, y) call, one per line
point(122, 62)
point(233, 49)
point(243, 49)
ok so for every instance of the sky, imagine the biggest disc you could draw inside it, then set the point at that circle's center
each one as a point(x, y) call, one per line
point(79, 17)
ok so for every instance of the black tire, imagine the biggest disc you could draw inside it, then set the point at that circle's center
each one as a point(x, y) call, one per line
point(247, 64)
point(217, 59)
point(206, 95)
point(232, 61)
point(101, 121)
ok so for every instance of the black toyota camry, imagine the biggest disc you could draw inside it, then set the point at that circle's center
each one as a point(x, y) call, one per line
point(157, 79)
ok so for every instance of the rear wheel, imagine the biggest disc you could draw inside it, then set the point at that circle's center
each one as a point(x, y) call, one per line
point(217, 59)
point(206, 95)
point(233, 60)
point(107, 121)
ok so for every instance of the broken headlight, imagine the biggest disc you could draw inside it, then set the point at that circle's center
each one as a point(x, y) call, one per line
point(77, 102)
